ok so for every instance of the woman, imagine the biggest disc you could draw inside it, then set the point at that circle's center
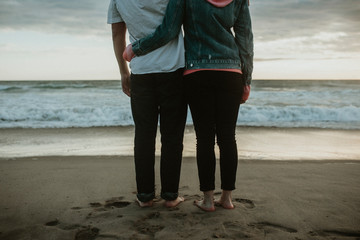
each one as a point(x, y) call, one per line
point(219, 64)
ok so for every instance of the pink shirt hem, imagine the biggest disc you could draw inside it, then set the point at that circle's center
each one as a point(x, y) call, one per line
point(187, 72)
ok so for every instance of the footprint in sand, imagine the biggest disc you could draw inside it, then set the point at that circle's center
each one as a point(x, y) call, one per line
point(62, 226)
point(148, 229)
point(76, 208)
point(180, 215)
point(264, 225)
point(95, 204)
point(336, 233)
point(234, 230)
point(152, 215)
point(52, 223)
point(83, 233)
point(89, 233)
point(246, 202)
point(116, 202)
point(143, 227)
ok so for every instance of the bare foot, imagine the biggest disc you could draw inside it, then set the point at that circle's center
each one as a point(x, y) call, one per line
point(144, 204)
point(225, 200)
point(207, 207)
point(207, 204)
point(226, 205)
point(174, 203)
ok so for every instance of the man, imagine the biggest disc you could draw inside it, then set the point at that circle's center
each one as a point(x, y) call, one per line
point(156, 92)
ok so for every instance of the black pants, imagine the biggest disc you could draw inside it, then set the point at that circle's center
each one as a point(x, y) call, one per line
point(158, 96)
point(214, 100)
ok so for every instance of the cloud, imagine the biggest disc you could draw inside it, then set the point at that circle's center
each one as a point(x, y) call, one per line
point(278, 22)
point(305, 29)
point(279, 18)
point(299, 34)
point(271, 19)
point(72, 17)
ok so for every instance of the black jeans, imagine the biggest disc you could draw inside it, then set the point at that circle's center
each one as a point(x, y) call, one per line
point(154, 96)
point(214, 100)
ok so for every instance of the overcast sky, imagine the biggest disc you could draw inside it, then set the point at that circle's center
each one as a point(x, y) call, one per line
point(65, 40)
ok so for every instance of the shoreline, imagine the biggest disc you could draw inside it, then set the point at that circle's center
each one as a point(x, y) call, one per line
point(104, 158)
point(254, 143)
point(186, 127)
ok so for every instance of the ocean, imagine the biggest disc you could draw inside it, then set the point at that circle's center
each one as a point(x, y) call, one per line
point(330, 104)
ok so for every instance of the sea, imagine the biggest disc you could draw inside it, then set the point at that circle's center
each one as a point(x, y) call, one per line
point(333, 104)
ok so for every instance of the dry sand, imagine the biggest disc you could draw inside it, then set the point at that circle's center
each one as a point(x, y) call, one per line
point(77, 197)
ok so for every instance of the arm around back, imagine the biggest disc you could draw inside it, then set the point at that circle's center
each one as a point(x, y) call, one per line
point(164, 33)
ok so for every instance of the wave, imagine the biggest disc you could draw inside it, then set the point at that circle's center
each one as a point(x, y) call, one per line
point(56, 85)
point(64, 118)
point(62, 86)
point(62, 104)
point(10, 88)
point(347, 117)
point(290, 116)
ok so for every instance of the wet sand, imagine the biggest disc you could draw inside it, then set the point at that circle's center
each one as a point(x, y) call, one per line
point(314, 195)
point(254, 143)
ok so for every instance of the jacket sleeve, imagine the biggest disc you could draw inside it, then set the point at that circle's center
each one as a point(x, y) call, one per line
point(164, 33)
point(244, 41)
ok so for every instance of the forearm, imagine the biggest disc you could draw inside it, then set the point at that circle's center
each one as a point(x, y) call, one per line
point(164, 33)
point(119, 43)
point(244, 41)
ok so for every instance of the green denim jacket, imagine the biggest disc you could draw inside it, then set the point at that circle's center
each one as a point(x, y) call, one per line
point(215, 37)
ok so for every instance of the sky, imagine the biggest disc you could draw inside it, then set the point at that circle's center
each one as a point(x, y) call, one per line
point(70, 40)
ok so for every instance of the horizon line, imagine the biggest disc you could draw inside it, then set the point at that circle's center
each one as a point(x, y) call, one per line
point(260, 79)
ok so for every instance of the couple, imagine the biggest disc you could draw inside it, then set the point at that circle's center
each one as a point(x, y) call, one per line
point(213, 77)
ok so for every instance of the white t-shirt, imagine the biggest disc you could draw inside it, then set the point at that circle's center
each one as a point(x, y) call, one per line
point(141, 18)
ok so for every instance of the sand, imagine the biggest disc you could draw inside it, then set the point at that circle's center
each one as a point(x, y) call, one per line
point(78, 197)
point(254, 143)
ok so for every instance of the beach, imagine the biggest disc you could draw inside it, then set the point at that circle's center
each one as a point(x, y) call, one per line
point(254, 143)
point(79, 183)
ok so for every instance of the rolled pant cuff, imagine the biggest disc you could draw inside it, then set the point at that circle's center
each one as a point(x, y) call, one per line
point(169, 196)
point(146, 197)
point(208, 188)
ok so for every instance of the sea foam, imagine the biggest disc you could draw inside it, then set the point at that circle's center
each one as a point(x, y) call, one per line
point(63, 104)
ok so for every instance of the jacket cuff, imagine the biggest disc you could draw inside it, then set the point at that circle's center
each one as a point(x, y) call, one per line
point(247, 75)
point(136, 48)
point(247, 79)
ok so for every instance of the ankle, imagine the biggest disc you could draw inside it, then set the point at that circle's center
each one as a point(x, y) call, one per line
point(226, 196)
point(209, 197)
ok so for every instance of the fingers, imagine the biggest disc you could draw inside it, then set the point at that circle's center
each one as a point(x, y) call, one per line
point(127, 92)
point(125, 84)
point(128, 53)
point(246, 94)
